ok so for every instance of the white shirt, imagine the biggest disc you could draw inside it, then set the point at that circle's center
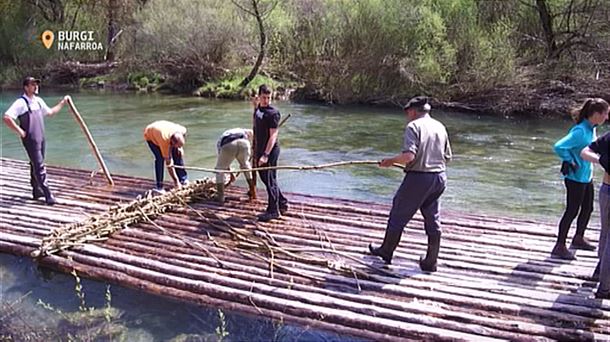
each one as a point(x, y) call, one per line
point(19, 107)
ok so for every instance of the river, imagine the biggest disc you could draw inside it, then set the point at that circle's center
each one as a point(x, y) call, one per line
point(502, 166)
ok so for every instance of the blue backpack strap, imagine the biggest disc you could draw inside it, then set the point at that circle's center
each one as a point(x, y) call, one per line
point(27, 103)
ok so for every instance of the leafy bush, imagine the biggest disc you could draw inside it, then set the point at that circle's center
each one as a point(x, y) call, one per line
point(189, 42)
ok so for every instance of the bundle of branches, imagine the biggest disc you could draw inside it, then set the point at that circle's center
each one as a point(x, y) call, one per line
point(260, 245)
point(256, 244)
point(99, 227)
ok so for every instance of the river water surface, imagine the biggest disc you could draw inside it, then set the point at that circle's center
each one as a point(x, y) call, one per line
point(502, 166)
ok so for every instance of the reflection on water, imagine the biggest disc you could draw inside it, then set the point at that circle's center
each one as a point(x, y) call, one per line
point(501, 166)
point(143, 317)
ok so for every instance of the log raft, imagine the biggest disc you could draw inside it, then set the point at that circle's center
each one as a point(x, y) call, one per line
point(495, 281)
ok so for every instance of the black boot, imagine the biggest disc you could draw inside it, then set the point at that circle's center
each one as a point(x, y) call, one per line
point(37, 193)
point(36, 189)
point(595, 275)
point(220, 192)
point(428, 264)
point(267, 216)
point(48, 196)
point(386, 250)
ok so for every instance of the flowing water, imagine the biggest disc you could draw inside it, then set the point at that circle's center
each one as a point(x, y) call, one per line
point(501, 166)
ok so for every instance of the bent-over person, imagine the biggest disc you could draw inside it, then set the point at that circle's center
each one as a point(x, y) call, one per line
point(234, 144)
point(166, 141)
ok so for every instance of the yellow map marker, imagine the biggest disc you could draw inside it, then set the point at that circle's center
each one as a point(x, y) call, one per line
point(47, 38)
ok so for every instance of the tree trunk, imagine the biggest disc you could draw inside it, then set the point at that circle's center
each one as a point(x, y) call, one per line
point(112, 29)
point(547, 26)
point(261, 52)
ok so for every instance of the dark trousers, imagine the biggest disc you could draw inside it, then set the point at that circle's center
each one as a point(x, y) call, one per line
point(160, 163)
point(38, 171)
point(269, 177)
point(418, 191)
point(579, 198)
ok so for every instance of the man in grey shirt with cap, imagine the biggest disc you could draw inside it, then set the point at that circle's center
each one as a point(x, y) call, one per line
point(425, 152)
point(30, 111)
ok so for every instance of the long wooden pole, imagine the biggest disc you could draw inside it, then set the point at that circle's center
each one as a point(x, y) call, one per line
point(92, 144)
point(290, 167)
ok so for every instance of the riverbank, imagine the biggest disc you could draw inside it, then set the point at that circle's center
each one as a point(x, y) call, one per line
point(535, 92)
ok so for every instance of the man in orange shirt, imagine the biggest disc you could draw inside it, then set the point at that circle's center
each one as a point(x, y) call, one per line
point(166, 140)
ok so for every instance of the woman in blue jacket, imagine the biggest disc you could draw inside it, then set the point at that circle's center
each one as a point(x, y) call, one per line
point(578, 175)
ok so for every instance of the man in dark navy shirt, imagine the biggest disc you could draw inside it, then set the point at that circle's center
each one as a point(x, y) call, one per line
point(267, 151)
point(599, 152)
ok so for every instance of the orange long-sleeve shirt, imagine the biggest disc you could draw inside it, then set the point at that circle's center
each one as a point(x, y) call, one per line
point(160, 133)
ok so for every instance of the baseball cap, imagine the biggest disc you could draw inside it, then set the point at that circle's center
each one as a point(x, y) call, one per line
point(418, 102)
point(29, 80)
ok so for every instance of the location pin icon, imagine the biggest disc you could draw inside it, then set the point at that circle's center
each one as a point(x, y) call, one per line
point(47, 38)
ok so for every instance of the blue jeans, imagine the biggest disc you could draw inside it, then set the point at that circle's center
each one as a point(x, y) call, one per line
point(160, 161)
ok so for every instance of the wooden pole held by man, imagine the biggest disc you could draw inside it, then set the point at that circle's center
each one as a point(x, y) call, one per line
point(92, 144)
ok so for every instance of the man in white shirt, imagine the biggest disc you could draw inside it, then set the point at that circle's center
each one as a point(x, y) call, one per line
point(29, 110)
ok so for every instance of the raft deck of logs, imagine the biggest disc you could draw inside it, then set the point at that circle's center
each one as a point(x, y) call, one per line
point(495, 279)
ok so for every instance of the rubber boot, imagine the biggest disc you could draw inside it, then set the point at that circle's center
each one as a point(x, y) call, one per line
point(595, 275)
point(220, 192)
point(428, 264)
point(37, 193)
point(251, 189)
point(48, 196)
point(36, 190)
point(386, 250)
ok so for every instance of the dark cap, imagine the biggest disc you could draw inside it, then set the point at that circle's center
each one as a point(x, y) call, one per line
point(29, 80)
point(418, 102)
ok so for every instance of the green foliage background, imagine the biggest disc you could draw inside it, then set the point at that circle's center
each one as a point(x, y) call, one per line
point(345, 51)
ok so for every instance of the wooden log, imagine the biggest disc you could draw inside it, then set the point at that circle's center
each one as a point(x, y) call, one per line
point(524, 300)
point(94, 149)
point(264, 300)
point(237, 270)
point(65, 265)
point(459, 251)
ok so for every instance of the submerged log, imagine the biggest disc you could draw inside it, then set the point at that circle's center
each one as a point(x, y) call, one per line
point(70, 72)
